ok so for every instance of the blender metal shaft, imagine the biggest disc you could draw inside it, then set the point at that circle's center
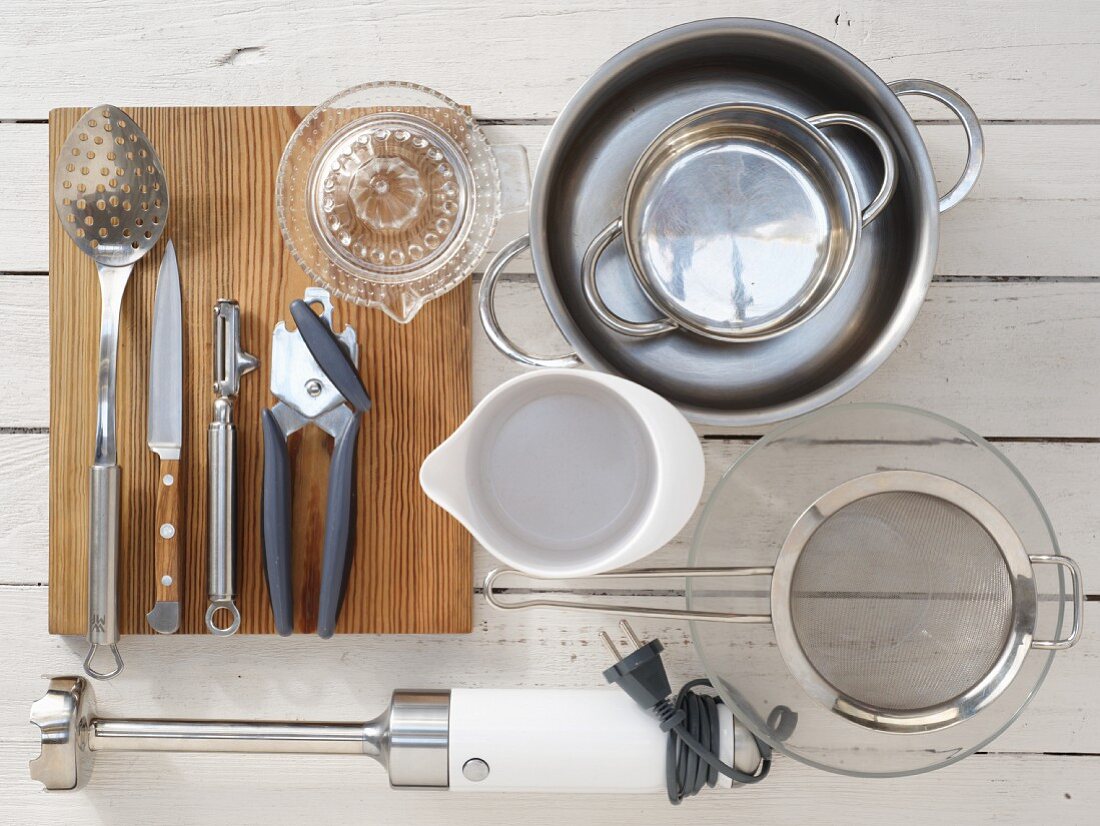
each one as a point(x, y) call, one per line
point(410, 738)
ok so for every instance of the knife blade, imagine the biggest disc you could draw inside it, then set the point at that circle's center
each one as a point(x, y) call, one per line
point(165, 435)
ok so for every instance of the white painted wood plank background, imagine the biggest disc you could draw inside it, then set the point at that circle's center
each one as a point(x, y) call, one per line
point(1006, 343)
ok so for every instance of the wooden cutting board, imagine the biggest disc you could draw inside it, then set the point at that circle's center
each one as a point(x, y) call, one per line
point(412, 570)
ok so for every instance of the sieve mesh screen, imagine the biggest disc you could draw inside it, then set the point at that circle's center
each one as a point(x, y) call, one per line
point(901, 601)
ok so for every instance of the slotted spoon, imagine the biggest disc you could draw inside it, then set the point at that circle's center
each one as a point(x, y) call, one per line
point(112, 199)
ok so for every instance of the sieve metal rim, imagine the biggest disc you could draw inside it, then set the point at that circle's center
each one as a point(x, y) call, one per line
point(1021, 576)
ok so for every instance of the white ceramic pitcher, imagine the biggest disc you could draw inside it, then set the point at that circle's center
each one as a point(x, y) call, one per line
point(568, 473)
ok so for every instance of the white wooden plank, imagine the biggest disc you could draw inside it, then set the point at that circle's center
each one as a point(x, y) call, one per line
point(510, 61)
point(1066, 478)
point(351, 677)
point(987, 355)
point(24, 497)
point(167, 790)
point(1015, 223)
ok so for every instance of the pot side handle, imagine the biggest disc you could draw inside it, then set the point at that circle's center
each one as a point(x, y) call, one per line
point(882, 144)
point(638, 329)
point(486, 306)
point(975, 143)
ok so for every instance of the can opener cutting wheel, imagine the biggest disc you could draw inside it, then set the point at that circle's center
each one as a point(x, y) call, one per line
point(315, 379)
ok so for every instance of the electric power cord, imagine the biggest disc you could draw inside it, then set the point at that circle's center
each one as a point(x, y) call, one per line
point(691, 720)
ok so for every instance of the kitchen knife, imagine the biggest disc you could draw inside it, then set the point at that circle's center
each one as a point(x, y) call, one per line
point(165, 433)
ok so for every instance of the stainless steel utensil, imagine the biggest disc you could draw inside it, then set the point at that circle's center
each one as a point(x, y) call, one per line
point(492, 740)
point(230, 363)
point(740, 221)
point(579, 188)
point(314, 376)
point(916, 588)
point(112, 199)
point(165, 433)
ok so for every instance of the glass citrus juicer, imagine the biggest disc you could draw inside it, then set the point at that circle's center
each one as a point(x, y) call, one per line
point(389, 193)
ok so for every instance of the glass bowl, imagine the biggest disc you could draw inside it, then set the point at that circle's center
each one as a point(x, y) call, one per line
point(388, 195)
point(747, 520)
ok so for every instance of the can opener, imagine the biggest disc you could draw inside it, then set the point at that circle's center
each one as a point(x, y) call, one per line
point(315, 379)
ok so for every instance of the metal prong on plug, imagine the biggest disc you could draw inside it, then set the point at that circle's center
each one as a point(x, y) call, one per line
point(630, 635)
point(610, 643)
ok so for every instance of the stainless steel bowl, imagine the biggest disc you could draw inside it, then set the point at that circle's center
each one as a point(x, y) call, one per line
point(580, 186)
point(740, 222)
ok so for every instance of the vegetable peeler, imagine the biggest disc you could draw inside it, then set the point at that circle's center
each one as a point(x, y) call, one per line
point(316, 381)
point(230, 363)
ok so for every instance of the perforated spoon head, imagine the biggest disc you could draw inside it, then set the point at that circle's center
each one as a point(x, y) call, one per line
point(109, 188)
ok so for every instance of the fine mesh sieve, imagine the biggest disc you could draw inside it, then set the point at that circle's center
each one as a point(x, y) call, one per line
point(922, 624)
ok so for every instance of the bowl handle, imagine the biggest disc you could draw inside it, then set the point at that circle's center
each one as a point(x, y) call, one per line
point(639, 329)
point(486, 305)
point(975, 144)
point(1078, 601)
point(882, 144)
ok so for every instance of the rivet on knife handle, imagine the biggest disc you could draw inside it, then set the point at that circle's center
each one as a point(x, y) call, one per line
point(230, 363)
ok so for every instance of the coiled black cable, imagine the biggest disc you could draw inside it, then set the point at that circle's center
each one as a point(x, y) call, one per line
point(692, 760)
point(691, 721)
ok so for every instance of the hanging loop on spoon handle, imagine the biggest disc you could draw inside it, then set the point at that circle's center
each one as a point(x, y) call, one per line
point(496, 574)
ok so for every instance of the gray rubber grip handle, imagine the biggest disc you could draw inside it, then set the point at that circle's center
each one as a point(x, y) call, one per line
point(338, 518)
point(276, 524)
point(103, 524)
point(330, 356)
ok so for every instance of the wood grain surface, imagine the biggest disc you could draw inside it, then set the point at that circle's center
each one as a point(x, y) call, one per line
point(169, 536)
point(412, 566)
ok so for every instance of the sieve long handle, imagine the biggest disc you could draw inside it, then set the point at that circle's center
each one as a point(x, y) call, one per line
point(1078, 601)
point(632, 610)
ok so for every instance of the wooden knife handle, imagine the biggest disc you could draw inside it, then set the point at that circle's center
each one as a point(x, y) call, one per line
point(168, 537)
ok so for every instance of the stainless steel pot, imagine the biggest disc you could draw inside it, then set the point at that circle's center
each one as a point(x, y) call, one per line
point(580, 186)
point(740, 222)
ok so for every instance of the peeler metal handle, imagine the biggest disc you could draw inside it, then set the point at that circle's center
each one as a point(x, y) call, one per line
point(221, 587)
